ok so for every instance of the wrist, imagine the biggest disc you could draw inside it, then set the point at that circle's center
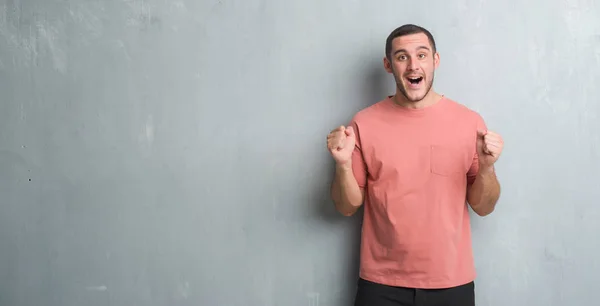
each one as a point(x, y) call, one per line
point(486, 169)
point(345, 167)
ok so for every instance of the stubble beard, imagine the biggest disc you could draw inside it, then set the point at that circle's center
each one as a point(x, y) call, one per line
point(402, 89)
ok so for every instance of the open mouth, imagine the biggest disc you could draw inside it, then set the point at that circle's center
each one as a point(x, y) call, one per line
point(414, 80)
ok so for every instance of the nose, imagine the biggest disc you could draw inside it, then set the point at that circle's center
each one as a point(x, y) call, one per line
point(413, 64)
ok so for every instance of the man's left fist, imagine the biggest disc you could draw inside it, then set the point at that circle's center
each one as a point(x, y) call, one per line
point(489, 147)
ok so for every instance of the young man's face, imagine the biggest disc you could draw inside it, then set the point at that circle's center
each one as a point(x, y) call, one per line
point(412, 62)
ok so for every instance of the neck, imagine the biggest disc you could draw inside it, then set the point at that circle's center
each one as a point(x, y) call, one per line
point(430, 99)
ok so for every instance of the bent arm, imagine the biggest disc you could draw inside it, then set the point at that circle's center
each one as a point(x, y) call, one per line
point(345, 192)
point(484, 193)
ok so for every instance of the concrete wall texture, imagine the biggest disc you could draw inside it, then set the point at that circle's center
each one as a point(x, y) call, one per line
point(158, 152)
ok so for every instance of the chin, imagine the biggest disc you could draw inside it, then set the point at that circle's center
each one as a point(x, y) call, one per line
point(412, 96)
point(415, 97)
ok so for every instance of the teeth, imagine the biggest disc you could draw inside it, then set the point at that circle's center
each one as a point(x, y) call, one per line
point(414, 78)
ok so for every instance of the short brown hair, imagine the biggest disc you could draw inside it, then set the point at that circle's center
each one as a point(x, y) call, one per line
point(407, 29)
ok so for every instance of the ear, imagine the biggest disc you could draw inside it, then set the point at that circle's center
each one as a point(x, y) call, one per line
point(436, 59)
point(387, 65)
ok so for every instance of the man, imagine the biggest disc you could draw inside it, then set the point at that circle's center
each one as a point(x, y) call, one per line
point(416, 159)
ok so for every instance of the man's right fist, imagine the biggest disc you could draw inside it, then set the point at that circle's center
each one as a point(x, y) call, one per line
point(340, 143)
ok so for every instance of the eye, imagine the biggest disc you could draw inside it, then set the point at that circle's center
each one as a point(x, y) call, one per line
point(402, 57)
point(422, 56)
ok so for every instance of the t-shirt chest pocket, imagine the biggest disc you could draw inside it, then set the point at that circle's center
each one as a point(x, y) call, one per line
point(448, 160)
point(400, 165)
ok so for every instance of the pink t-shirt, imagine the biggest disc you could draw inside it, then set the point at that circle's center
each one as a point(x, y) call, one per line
point(415, 166)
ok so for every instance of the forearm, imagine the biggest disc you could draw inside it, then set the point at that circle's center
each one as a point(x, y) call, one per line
point(345, 192)
point(484, 192)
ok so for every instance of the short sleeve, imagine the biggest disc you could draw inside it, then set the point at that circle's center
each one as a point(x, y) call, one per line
point(473, 170)
point(359, 167)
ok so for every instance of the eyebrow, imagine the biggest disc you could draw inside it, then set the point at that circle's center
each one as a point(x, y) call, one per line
point(420, 47)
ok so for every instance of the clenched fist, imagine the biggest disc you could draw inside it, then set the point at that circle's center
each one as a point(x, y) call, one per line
point(340, 143)
point(489, 147)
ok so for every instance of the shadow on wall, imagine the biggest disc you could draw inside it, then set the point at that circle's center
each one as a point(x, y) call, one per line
point(370, 88)
point(376, 83)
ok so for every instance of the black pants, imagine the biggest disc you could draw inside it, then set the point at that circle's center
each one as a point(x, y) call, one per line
point(373, 294)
